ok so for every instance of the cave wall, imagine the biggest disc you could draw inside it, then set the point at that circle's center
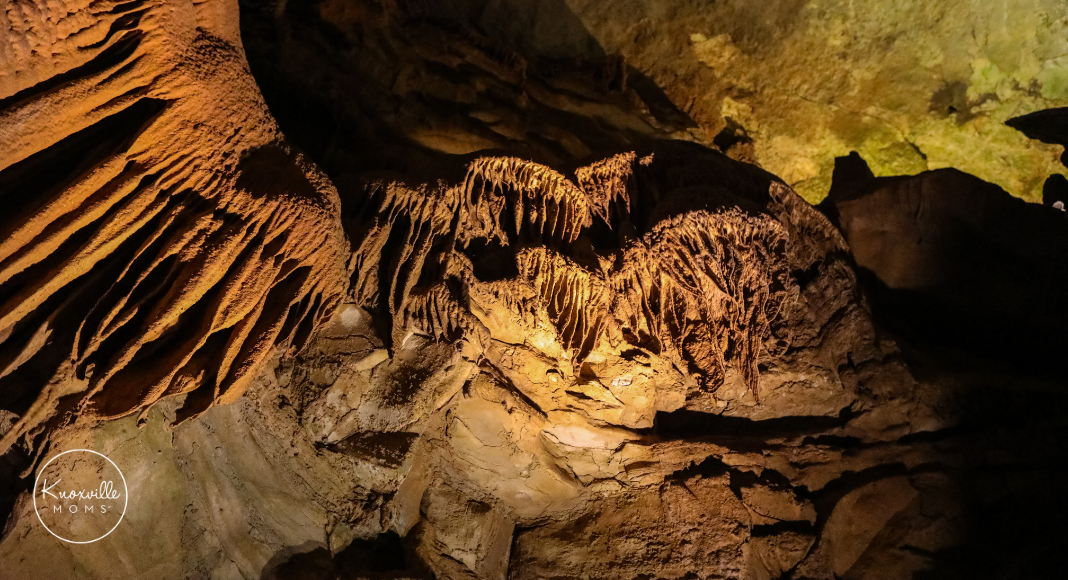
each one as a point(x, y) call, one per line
point(428, 291)
point(161, 238)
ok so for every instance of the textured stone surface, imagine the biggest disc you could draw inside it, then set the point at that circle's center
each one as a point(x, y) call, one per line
point(159, 236)
point(540, 340)
point(231, 495)
point(912, 85)
point(943, 245)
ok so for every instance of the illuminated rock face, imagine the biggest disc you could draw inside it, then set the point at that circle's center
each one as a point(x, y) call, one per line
point(614, 397)
point(555, 328)
point(911, 86)
point(689, 264)
point(509, 331)
point(159, 236)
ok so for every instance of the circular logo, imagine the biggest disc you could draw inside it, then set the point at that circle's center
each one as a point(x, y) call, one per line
point(80, 496)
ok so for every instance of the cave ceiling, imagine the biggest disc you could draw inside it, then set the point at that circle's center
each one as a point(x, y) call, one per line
point(911, 86)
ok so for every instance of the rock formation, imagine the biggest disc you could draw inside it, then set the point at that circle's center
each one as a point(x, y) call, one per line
point(947, 245)
point(159, 237)
point(910, 86)
point(493, 322)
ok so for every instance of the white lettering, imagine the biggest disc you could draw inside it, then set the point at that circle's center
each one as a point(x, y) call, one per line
point(105, 491)
point(44, 489)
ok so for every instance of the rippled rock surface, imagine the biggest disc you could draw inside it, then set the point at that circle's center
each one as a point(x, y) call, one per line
point(475, 314)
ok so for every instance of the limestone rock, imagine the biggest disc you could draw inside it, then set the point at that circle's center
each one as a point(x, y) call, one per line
point(911, 86)
point(945, 245)
point(160, 236)
point(493, 322)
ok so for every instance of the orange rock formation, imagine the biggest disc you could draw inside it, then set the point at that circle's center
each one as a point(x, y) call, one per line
point(159, 235)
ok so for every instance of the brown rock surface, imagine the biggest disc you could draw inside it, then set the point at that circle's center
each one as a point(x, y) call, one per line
point(159, 236)
point(526, 336)
point(942, 245)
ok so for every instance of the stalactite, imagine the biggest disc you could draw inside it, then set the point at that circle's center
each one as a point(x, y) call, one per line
point(704, 285)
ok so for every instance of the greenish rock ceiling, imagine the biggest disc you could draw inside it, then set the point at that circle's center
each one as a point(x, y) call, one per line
point(910, 85)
